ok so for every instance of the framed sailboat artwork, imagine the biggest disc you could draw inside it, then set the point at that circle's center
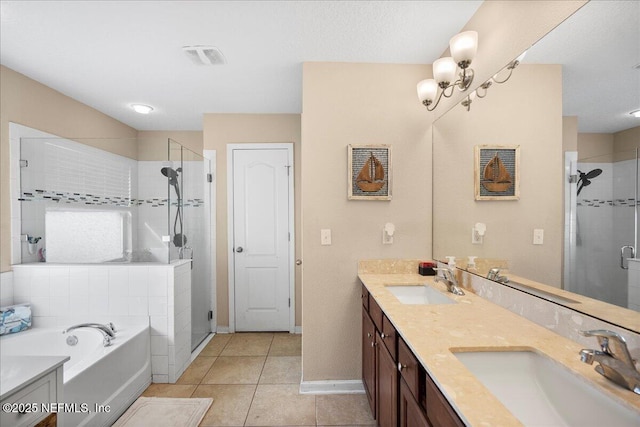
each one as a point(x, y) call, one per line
point(369, 172)
point(497, 172)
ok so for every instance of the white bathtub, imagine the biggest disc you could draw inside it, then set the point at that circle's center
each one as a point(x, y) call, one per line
point(111, 376)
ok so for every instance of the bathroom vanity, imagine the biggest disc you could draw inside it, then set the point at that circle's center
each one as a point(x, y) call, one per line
point(30, 384)
point(416, 370)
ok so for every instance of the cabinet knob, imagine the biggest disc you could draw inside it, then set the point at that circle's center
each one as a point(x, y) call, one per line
point(368, 334)
point(401, 367)
point(383, 336)
point(373, 344)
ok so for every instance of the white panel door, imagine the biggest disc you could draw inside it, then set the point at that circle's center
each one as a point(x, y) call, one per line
point(261, 239)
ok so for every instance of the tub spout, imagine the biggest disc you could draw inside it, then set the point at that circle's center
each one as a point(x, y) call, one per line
point(107, 331)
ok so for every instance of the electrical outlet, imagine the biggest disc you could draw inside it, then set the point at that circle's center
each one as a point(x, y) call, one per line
point(538, 236)
point(325, 236)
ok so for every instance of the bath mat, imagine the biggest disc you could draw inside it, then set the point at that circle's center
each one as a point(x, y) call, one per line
point(163, 411)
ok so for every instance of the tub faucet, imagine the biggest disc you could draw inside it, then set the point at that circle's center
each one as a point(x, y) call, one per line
point(494, 274)
point(449, 278)
point(108, 331)
point(614, 360)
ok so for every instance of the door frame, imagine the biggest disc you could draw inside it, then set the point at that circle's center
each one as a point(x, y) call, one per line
point(212, 204)
point(230, 226)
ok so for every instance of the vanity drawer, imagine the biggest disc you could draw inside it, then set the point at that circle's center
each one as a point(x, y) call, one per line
point(411, 371)
point(375, 312)
point(364, 296)
point(41, 391)
point(389, 337)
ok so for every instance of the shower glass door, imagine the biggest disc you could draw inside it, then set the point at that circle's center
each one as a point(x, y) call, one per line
point(189, 225)
point(605, 226)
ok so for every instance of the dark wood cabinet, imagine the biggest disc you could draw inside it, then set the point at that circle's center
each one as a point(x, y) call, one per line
point(399, 390)
point(387, 385)
point(369, 359)
point(410, 413)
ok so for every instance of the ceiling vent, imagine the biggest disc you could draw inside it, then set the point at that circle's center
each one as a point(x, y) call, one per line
point(205, 55)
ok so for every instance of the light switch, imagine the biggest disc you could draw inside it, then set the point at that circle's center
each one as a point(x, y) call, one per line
point(538, 236)
point(325, 236)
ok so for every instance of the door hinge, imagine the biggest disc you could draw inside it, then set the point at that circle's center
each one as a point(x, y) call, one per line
point(210, 315)
point(288, 168)
point(289, 302)
point(289, 237)
point(24, 163)
point(209, 177)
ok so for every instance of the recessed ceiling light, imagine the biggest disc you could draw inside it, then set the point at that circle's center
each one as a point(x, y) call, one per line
point(141, 108)
point(635, 113)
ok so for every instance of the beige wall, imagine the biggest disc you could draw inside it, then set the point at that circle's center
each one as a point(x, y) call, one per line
point(525, 111)
point(625, 142)
point(152, 145)
point(27, 102)
point(356, 104)
point(223, 129)
point(595, 147)
point(570, 133)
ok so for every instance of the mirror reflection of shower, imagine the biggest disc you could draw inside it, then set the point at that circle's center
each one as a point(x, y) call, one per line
point(179, 239)
point(585, 178)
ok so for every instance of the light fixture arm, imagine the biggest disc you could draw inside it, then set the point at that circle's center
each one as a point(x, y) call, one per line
point(463, 83)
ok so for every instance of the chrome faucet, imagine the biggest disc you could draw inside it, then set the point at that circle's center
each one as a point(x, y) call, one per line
point(108, 331)
point(614, 360)
point(494, 274)
point(449, 278)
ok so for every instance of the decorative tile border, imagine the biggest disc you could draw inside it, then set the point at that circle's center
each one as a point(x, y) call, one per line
point(90, 199)
point(596, 203)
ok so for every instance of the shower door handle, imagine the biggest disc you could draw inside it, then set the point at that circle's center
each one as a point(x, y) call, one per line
point(622, 257)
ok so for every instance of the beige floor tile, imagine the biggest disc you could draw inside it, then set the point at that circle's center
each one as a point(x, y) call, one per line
point(248, 344)
point(286, 345)
point(235, 370)
point(343, 409)
point(281, 405)
point(230, 404)
point(196, 371)
point(216, 345)
point(169, 390)
point(282, 370)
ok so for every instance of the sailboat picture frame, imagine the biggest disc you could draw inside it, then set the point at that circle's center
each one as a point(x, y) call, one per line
point(369, 174)
point(497, 172)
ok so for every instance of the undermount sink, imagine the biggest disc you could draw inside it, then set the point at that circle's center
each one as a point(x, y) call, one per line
point(418, 294)
point(543, 294)
point(541, 392)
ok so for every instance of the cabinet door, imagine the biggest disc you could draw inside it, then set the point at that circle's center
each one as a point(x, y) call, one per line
point(411, 414)
point(387, 387)
point(369, 359)
point(439, 410)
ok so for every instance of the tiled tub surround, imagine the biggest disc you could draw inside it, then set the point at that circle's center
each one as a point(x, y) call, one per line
point(160, 294)
point(475, 323)
point(6, 288)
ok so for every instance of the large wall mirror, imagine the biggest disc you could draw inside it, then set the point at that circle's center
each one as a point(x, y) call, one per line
point(567, 109)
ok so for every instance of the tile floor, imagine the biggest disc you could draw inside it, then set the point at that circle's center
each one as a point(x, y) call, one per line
point(254, 380)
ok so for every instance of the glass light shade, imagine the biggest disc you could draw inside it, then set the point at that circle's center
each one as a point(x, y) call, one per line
point(444, 69)
point(464, 46)
point(427, 90)
point(472, 95)
point(635, 113)
point(521, 57)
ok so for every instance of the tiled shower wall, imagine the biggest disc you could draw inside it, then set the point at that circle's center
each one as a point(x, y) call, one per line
point(605, 211)
point(160, 294)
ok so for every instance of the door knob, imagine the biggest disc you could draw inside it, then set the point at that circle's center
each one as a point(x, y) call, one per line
point(239, 249)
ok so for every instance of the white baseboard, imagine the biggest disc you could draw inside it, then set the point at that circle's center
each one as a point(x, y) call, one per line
point(332, 387)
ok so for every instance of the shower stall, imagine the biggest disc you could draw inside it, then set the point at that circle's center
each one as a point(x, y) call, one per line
point(81, 201)
point(601, 233)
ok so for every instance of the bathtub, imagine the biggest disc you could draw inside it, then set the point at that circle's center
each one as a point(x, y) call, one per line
point(111, 377)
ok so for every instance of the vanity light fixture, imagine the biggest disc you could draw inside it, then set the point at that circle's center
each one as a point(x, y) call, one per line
point(463, 48)
point(142, 108)
point(635, 113)
point(481, 91)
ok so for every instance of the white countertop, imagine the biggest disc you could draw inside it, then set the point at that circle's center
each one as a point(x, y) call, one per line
point(18, 371)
